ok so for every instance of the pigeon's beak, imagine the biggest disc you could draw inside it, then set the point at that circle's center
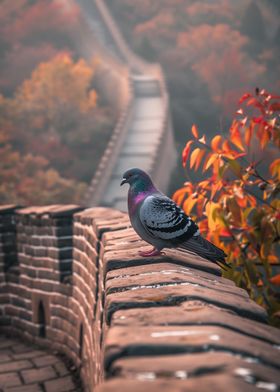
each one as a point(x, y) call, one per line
point(124, 181)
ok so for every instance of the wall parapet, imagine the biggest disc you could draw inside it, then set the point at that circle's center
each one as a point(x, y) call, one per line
point(163, 323)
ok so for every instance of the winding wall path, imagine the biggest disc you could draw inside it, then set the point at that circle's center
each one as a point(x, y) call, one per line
point(143, 136)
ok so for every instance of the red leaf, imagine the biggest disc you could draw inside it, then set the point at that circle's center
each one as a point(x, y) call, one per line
point(224, 233)
point(274, 107)
point(275, 280)
point(244, 97)
point(186, 152)
point(259, 120)
point(195, 131)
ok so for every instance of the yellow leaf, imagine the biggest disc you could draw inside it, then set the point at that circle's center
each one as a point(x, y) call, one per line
point(189, 204)
point(235, 136)
point(209, 161)
point(194, 156)
point(180, 194)
point(211, 209)
point(199, 158)
point(275, 168)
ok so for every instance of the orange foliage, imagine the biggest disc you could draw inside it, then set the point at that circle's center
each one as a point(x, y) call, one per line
point(58, 82)
point(238, 206)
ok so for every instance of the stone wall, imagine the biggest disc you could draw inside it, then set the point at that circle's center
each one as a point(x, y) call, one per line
point(72, 280)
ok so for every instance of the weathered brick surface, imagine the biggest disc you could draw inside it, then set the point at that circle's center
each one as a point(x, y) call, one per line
point(163, 323)
point(183, 366)
point(195, 313)
point(217, 383)
point(174, 324)
point(24, 368)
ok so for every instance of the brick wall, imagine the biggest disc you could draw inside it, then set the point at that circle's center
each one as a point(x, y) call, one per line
point(72, 279)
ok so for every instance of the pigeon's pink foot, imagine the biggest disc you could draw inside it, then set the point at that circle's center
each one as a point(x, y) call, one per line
point(149, 253)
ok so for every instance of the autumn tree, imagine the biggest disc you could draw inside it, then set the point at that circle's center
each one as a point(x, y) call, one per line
point(26, 178)
point(57, 116)
point(237, 204)
point(53, 133)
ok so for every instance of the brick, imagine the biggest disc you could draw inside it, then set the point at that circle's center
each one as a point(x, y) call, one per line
point(161, 340)
point(4, 299)
point(48, 274)
point(15, 366)
point(19, 348)
point(21, 302)
point(6, 342)
point(168, 296)
point(61, 369)
point(129, 258)
point(45, 360)
point(4, 357)
point(195, 313)
point(205, 384)
point(35, 353)
point(38, 375)
point(153, 276)
point(9, 380)
point(64, 384)
point(182, 366)
point(25, 388)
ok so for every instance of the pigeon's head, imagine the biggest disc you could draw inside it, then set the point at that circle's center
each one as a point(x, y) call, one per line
point(137, 178)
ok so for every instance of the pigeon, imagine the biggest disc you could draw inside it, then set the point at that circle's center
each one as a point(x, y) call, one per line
point(158, 220)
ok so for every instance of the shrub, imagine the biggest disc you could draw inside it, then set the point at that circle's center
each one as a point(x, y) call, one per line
point(237, 203)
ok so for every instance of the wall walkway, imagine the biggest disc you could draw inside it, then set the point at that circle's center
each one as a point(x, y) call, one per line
point(143, 136)
point(27, 368)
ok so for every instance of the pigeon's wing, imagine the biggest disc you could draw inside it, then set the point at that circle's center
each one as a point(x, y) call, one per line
point(164, 220)
point(205, 249)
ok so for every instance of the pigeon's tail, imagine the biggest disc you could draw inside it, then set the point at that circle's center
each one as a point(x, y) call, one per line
point(206, 249)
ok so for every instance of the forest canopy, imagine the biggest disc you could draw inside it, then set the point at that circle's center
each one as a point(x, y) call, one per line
point(211, 51)
point(54, 125)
